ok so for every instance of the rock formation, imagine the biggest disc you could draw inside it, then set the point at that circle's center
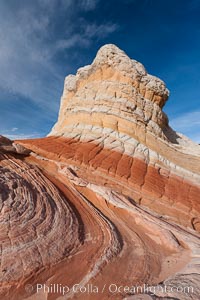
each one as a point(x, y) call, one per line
point(7, 145)
point(114, 109)
point(109, 199)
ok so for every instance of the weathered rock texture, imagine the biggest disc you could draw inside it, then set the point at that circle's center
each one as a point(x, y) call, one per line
point(7, 145)
point(115, 93)
point(110, 197)
point(113, 108)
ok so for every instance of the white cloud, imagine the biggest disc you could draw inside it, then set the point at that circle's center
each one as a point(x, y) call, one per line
point(14, 129)
point(29, 43)
point(22, 136)
point(89, 31)
point(70, 42)
point(189, 123)
point(100, 31)
point(24, 54)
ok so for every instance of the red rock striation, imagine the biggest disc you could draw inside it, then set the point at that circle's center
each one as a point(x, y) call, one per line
point(110, 198)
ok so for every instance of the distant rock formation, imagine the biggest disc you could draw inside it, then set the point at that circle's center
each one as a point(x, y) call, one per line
point(114, 92)
point(7, 145)
point(111, 196)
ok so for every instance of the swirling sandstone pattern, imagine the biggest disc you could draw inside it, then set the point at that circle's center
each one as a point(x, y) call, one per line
point(34, 218)
point(110, 197)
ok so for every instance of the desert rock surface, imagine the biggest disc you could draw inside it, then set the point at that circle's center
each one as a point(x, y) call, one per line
point(109, 200)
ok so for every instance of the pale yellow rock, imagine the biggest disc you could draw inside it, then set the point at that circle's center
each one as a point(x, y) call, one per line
point(113, 78)
point(116, 93)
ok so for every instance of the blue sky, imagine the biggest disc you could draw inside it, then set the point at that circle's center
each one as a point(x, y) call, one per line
point(42, 41)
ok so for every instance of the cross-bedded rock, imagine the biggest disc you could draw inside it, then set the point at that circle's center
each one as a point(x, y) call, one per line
point(110, 197)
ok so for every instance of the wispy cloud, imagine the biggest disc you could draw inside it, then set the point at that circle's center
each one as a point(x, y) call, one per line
point(11, 134)
point(24, 57)
point(100, 31)
point(88, 4)
point(23, 136)
point(189, 123)
point(14, 129)
point(89, 32)
point(30, 40)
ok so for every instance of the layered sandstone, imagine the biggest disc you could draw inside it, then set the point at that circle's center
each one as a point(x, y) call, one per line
point(114, 92)
point(115, 102)
point(112, 111)
point(110, 197)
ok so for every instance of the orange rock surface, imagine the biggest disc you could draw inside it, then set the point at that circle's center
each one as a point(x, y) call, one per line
point(109, 201)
